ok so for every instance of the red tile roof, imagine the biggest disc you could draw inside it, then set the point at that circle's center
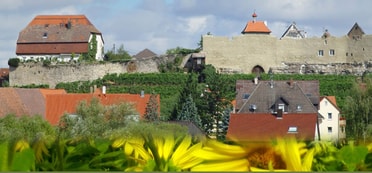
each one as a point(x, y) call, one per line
point(58, 104)
point(256, 27)
point(52, 104)
point(4, 72)
point(262, 127)
point(332, 99)
point(50, 34)
point(58, 19)
point(20, 101)
point(46, 92)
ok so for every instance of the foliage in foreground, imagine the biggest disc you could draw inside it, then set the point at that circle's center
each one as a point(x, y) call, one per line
point(31, 144)
point(171, 151)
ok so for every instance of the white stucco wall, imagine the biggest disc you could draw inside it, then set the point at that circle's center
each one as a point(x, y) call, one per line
point(100, 46)
point(325, 108)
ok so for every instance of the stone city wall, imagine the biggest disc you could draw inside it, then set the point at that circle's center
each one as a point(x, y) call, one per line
point(35, 73)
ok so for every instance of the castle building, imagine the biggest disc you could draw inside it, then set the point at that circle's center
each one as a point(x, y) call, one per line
point(61, 37)
point(257, 51)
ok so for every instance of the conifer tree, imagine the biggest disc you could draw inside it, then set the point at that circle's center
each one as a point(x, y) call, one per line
point(189, 112)
point(152, 109)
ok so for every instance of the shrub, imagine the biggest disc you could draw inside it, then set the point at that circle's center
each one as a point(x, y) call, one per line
point(47, 62)
point(14, 62)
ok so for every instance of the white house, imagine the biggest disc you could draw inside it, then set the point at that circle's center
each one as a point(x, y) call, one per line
point(60, 37)
point(331, 123)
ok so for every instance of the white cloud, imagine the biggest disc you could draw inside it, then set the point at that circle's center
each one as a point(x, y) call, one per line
point(193, 25)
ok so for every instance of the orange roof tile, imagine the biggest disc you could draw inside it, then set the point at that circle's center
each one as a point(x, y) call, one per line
point(58, 104)
point(45, 92)
point(256, 27)
point(4, 72)
point(332, 99)
point(58, 19)
point(56, 34)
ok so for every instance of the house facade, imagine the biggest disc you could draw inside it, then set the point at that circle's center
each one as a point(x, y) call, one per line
point(265, 110)
point(331, 123)
point(59, 37)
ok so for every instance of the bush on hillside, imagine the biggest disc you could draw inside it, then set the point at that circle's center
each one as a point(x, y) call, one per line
point(14, 62)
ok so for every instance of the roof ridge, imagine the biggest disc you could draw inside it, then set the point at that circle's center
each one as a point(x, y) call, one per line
point(256, 88)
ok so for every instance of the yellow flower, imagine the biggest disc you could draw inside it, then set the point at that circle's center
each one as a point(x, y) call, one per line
point(40, 149)
point(294, 154)
point(167, 152)
point(21, 145)
point(218, 156)
point(369, 146)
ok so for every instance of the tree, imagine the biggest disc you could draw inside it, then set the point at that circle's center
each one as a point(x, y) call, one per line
point(214, 103)
point(200, 43)
point(95, 120)
point(120, 55)
point(189, 112)
point(25, 127)
point(14, 62)
point(358, 111)
point(152, 109)
point(190, 89)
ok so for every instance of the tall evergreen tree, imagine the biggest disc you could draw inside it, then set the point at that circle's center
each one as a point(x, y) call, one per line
point(152, 109)
point(189, 112)
point(215, 101)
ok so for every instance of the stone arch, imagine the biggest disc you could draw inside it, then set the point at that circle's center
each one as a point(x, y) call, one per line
point(257, 70)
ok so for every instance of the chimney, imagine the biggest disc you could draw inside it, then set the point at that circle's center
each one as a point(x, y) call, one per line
point(279, 114)
point(256, 80)
point(68, 25)
point(103, 90)
point(291, 83)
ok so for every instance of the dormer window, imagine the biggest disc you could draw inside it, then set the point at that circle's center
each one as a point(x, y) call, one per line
point(45, 35)
point(246, 96)
point(292, 129)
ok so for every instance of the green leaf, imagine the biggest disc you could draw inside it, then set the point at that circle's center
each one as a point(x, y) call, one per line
point(150, 166)
point(353, 156)
point(4, 156)
point(24, 160)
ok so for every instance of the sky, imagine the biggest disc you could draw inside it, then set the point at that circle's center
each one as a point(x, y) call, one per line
point(160, 25)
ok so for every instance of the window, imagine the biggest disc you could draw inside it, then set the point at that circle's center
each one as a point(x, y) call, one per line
point(342, 129)
point(198, 61)
point(45, 35)
point(246, 96)
point(329, 129)
point(329, 115)
point(281, 106)
point(320, 53)
point(292, 129)
point(331, 52)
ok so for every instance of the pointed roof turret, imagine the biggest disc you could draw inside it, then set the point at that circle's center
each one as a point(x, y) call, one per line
point(256, 27)
point(356, 32)
point(293, 32)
